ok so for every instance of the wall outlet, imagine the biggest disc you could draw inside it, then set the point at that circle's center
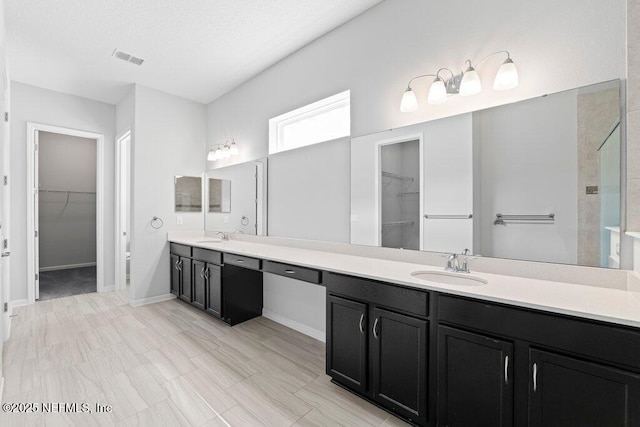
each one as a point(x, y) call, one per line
point(179, 220)
point(226, 219)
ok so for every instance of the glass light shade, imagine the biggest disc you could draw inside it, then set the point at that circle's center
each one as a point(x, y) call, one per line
point(409, 101)
point(226, 152)
point(233, 149)
point(218, 153)
point(470, 84)
point(437, 92)
point(507, 77)
point(212, 156)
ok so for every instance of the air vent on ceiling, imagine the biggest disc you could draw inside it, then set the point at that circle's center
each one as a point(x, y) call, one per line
point(127, 57)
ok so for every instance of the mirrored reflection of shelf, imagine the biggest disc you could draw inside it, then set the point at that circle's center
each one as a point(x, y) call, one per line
point(408, 193)
point(397, 223)
point(396, 176)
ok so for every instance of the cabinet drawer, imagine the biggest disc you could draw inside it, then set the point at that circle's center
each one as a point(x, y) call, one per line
point(396, 297)
point(207, 255)
point(293, 271)
point(181, 250)
point(242, 261)
point(600, 341)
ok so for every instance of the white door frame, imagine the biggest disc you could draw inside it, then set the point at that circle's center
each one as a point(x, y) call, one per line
point(378, 171)
point(32, 248)
point(120, 238)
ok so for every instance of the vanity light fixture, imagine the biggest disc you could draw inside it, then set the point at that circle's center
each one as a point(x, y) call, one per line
point(223, 151)
point(466, 83)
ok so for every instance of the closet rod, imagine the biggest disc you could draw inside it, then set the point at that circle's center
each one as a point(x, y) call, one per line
point(67, 191)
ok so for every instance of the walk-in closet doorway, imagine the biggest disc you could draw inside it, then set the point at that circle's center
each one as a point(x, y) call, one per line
point(65, 212)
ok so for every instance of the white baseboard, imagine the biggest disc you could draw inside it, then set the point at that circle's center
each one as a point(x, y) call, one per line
point(18, 303)
point(107, 288)
point(295, 325)
point(145, 301)
point(68, 266)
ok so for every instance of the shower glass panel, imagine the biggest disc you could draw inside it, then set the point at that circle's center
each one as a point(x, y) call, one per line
point(400, 195)
point(609, 191)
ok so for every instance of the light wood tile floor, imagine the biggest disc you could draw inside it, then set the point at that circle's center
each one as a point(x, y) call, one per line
point(169, 364)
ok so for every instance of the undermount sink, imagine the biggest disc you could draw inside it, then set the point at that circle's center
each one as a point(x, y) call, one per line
point(211, 241)
point(445, 278)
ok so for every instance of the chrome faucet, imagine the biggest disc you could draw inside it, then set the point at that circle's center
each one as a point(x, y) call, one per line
point(225, 235)
point(453, 262)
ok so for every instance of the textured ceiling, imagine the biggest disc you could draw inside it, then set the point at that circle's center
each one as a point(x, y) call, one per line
point(197, 49)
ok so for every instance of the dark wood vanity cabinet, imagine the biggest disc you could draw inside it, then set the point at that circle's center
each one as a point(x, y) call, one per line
point(562, 371)
point(229, 292)
point(566, 391)
point(347, 338)
point(241, 294)
point(181, 274)
point(475, 379)
point(376, 349)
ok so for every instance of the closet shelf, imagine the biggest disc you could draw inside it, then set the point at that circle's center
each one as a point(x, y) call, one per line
point(397, 223)
point(66, 191)
point(396, 176)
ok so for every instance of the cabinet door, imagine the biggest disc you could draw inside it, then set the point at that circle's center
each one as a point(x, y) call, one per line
point(568, 392)
point(347, 342)
point(475, 380)
point(175, 274)
point(399, 363)
point(185, 279)
point(199, 283)
point(214, 290)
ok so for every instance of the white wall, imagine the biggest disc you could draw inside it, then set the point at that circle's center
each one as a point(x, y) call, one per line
point(516, 142)
point(33, 104)
point(556, 46)
point(448, 183)
point(67, 221)
point(169, 140)
point(309, 192)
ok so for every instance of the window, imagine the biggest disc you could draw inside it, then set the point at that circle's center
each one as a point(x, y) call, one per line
point(324, 120)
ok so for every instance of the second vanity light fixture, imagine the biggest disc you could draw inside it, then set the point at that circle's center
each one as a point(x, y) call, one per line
point(466, 83)
point(223, 151)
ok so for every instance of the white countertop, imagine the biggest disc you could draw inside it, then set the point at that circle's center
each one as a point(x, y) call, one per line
point(591, 302)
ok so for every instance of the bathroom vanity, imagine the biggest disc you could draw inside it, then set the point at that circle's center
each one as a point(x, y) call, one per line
point(511, 351)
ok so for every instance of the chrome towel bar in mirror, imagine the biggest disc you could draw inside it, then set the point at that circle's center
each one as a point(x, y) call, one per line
point(532, 219)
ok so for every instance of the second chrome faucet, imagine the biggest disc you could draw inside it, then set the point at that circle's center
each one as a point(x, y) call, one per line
point(454, 264)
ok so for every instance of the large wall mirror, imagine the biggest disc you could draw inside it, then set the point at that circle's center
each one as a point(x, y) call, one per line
point(536, 180)
point(236, 198)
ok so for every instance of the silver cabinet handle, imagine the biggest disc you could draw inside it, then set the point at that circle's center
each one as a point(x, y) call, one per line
point(290, 271)
point(506, 369)
point(362, 323)
point(535, 377)
point(180, 265)
point(239, 261)
point(177, 266)
point(202, 272)
point(375, 327)
point(206, 274)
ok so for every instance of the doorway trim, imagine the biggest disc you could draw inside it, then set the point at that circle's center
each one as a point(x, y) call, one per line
point(32, 128)
point(120, 263)
point(378, 185)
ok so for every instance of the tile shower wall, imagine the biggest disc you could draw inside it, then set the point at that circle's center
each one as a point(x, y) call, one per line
point(633, 115)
